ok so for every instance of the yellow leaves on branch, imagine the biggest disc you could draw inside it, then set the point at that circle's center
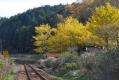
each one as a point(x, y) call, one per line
point(105, 23)
point(67, 35)
point(106, 14)
point(71, 33)
point(43, 33)
point(71, 29)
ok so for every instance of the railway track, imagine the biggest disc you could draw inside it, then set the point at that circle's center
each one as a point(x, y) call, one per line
point(34, 74)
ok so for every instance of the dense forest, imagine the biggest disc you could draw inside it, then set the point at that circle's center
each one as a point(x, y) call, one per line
point(16, 32)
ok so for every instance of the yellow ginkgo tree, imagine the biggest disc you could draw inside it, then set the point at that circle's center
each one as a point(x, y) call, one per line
point(68, 35)
point(43, 33)
point(105, 23)
point(71, 34)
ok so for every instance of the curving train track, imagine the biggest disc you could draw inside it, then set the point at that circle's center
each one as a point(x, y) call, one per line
point(31, 73)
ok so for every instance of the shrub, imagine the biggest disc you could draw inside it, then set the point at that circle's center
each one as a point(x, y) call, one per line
point(56, 78)
point(49, 62)
point(1, 63)
point(6, 70)
point(71, 66)
point(101, 66)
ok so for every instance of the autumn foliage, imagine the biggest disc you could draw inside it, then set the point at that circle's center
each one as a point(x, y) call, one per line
point(102, 29)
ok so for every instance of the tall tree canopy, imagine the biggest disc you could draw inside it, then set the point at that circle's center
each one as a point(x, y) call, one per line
point(69, 34)
point(105, 23)
point(43, 33)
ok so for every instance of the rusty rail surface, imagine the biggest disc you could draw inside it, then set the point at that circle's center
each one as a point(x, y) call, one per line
point(33, 74)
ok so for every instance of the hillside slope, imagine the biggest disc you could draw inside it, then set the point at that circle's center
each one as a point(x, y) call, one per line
point(17, 31)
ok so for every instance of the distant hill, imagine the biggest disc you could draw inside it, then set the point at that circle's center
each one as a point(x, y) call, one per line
point(17, 31)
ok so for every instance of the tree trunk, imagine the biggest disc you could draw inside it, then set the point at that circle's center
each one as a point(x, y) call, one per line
point(117, 39)
point(106, 43)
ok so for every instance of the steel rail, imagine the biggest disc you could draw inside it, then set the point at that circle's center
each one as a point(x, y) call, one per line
point(29, 77)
